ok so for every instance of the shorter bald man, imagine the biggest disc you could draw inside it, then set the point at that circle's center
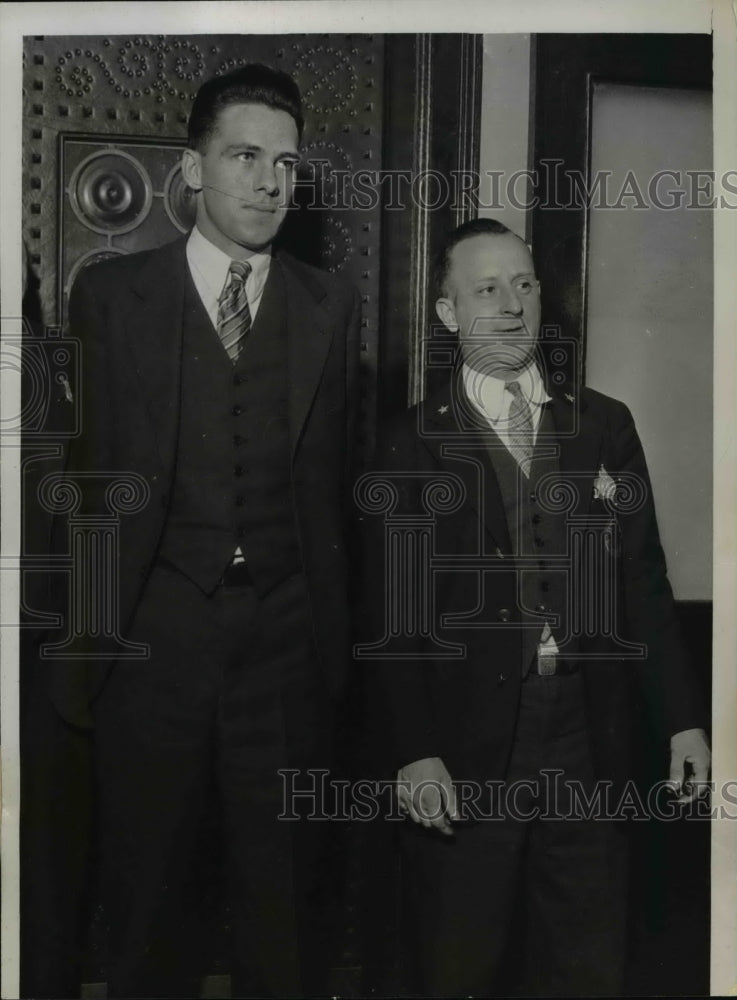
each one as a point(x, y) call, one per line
point(532, 721)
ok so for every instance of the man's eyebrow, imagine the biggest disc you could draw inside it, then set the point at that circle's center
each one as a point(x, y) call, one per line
point(495, 276)
point(235, 147)
point(515, 277)
point(252, 147)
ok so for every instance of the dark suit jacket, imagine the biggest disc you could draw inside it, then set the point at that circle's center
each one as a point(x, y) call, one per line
point(128, 314)
point(464, 710)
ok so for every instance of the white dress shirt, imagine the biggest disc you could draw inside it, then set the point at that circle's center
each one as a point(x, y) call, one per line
point(491, 398)
point(209, 268)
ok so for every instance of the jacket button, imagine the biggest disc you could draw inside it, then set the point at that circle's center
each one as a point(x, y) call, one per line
point(502, 678)
point(237, 410)
point(540, 608)
point(539, 542)
point(238, 440)
point(239, 501)
point(238, 470)
point(239, 379)
point(504, 614)
point(536, 519)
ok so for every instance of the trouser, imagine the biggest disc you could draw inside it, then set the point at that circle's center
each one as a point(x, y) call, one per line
point(567, 876)
point(56, 806)
point(230, 694)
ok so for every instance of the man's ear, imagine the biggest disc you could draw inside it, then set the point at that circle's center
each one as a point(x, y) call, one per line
point(192, 169)
point(446, 314)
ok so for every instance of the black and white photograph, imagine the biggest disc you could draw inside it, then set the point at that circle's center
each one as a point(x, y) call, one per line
point(367, 499)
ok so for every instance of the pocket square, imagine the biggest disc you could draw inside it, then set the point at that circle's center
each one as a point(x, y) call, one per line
point(604, 486)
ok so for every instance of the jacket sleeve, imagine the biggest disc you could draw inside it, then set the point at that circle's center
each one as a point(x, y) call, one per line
point(398, 678)
point(667, 678)
point(89, 452)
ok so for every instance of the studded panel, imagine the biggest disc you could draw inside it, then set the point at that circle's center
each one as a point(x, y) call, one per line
point(105, 119)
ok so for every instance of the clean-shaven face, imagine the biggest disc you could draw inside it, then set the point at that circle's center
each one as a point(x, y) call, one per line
point(244, 176)
point(493, 301)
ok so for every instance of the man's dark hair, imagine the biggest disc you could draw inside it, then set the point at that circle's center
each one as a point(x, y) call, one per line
point(251, 84)
point(475, 227)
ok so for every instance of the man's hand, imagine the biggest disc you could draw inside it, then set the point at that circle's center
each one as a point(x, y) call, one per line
point(689, 746)
point(426, 794)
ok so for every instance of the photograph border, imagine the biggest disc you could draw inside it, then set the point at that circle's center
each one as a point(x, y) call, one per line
point(477, 16)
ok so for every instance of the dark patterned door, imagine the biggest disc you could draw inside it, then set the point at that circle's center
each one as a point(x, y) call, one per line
point(106, 119)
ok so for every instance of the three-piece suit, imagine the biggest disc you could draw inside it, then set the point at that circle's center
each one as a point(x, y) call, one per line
point(243, 663)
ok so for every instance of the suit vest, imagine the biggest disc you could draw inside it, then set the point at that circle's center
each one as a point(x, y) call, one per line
point(536, 533)
point(232, 485)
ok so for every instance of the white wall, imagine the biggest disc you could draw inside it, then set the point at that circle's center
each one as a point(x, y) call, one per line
point(505, 127)
point(649, 322)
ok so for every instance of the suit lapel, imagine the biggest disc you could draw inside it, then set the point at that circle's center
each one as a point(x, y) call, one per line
point(454, 429)
point(309, 333)
point(579, 438)
point(154, 332)
point(460, 444)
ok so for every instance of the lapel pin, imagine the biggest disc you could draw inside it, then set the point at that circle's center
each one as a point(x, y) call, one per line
point(443, 409)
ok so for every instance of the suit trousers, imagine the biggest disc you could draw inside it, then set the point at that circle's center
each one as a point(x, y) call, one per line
point(56, 805)
point(559, 882)
point(231, 692)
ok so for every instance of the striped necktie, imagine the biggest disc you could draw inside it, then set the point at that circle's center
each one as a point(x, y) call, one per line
point(234, 316)
point(520, 429)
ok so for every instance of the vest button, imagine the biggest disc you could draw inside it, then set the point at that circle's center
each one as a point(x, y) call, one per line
point(536, 519)
point(539, 542)
point(504, 614)
point(239, 501)
point(238, 440)
point(239, 470)
point(533, 497)
point(502, 678)
point(540, 608)
point(237, 410)
point(544, 586)
point(239, 379)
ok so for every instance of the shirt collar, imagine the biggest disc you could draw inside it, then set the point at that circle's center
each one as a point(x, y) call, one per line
point(213, 264)
point(488, 393)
